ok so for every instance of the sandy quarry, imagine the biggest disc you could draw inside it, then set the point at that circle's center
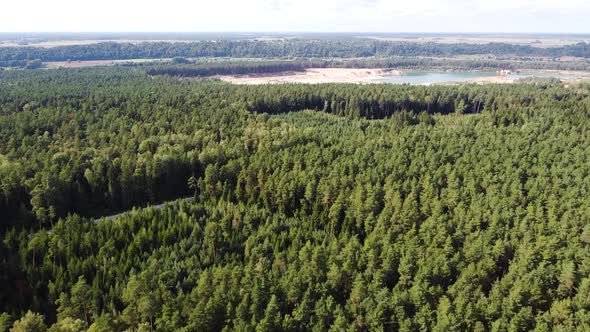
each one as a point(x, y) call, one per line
point(363, 76)
point(315, 75)
point(494, 79)
point(336, 75)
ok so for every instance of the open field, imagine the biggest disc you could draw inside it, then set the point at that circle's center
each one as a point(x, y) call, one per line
point(94, 63)
point(57, 43)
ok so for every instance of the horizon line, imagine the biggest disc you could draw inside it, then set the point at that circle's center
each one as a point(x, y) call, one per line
point(301, 32)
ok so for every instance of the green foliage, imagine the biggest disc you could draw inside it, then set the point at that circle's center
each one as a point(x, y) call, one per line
point(5, 322)
point(327, 207)
point(232, 68)
point(30, 322)
point(69, 324)
point(105, 323)
point(76, 306)
point(299, 47)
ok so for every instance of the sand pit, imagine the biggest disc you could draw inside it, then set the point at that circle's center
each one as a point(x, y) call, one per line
point(365, 76)
point(315, 75)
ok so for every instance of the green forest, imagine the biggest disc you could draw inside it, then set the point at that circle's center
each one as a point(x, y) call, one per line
point(182, 67)
point(332, 207)
point(18, 56)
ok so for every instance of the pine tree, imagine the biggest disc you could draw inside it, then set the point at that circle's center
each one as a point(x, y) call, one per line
point(272, 317)
point(30, 322)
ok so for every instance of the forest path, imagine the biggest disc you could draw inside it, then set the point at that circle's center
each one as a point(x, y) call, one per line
point(157, 207)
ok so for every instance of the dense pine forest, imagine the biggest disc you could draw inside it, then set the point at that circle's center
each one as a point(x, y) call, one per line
point(15, 56)
point(228, 68)
point(333, 207)
point(182, 67)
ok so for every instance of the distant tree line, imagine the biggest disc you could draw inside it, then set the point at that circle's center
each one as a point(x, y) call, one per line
point(27, 64)
point(231, 68)
point(454, 63)
point(206, 69)
point(287, 48)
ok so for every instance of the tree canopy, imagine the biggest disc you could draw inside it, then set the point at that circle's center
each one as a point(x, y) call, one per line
point(292, 207)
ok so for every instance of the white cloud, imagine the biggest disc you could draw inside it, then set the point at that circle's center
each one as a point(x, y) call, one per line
point(296, 15)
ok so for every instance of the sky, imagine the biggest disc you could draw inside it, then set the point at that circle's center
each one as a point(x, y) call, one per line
point(553, 16)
